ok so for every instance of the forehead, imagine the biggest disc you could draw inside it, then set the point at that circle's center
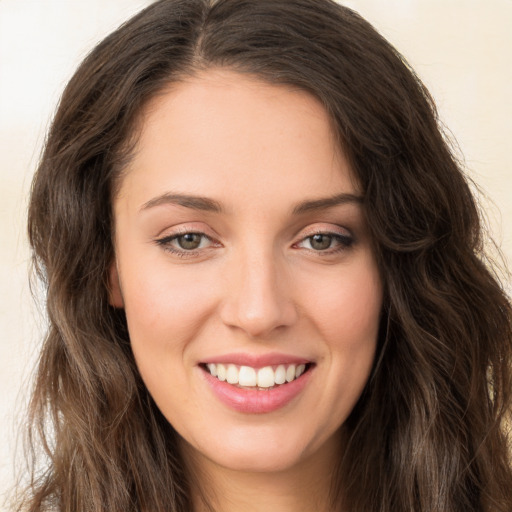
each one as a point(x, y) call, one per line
point(221, 133)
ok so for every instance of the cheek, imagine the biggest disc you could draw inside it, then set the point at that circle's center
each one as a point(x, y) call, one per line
point(156, 297)
point(348, 317)
point(164, 306)
point(347, 308)
point(165, 311)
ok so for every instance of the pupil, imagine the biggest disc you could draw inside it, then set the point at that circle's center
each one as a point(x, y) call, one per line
point(189, 241)
point(321, 242)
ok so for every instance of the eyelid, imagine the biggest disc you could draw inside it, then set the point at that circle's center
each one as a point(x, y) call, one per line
point(324, 229)
point(183, 228)
point(174, 236)
point(342, 235)
point(165, 241)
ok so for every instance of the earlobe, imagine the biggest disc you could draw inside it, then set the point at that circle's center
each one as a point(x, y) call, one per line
point(115, 297)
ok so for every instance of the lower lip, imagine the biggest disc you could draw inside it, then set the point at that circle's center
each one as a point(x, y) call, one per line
point(254, 401)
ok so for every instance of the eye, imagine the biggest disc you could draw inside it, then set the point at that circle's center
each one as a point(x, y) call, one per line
point(320, 242)
point(326, 242)
point(183, 243)
point(189, 241)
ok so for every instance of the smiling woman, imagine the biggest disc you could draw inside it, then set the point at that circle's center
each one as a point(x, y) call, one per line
point(266, 283)
point(252, 288)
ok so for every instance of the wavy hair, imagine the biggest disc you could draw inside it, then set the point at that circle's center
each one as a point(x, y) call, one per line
point(429, 432)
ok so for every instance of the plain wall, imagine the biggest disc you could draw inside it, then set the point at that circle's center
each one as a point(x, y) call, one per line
point(462, 49)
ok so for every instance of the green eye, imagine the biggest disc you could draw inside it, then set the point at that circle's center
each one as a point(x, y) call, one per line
point(186, 244)
point(327, 243)
point(320, 242)
point(189, 241)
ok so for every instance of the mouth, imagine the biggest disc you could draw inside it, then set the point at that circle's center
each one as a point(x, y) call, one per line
point(253, 384)
point(265, 378)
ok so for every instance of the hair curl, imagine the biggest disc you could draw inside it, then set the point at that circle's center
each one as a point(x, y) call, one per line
point(429, 432)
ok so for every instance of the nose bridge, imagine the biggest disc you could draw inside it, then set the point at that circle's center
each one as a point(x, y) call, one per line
point(258, 300)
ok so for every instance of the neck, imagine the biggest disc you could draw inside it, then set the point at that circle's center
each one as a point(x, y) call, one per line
point(305, 487)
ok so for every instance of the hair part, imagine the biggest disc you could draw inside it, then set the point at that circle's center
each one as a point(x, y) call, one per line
point(429, 432)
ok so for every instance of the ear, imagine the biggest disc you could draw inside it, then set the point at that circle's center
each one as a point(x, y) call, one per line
point(115, 297)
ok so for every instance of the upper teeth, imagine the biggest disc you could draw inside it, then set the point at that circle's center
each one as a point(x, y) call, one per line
point(265, 377)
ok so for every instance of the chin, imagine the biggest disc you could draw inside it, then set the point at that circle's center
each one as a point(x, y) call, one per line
point(257, 461)
point(260, 451)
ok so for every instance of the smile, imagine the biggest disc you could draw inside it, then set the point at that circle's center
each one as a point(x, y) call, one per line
point(261, 378)
point(260, 385)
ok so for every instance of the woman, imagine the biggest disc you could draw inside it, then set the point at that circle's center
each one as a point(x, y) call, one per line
point(266, 284)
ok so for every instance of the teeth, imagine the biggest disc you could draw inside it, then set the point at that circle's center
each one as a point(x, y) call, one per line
point(246, 376)
point(266, 378)
point(280, 375)
point(232, 374)
point(221, 372)
point(213, 369)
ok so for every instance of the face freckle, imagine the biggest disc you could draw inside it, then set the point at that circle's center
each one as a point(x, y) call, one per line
point(242, 255)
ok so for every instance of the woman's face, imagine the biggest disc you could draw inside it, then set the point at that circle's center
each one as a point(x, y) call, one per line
point(246, 271)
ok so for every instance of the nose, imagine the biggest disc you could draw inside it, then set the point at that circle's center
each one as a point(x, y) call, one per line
point(257, 298)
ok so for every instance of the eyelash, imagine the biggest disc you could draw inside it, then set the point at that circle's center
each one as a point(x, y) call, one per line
point(344, 242)
point(166, 244)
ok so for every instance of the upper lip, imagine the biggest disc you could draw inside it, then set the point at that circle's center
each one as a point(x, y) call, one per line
point(256, 360)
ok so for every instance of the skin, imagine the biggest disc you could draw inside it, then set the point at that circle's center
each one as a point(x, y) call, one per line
point(256, 284)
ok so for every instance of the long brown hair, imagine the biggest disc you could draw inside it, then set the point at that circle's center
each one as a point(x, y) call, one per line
point(429, 432)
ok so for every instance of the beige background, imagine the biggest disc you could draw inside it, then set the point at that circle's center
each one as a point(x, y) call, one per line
point(461, 48)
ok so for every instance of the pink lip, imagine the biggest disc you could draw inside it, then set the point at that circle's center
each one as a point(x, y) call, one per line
point(254, 401)
point(256, 361)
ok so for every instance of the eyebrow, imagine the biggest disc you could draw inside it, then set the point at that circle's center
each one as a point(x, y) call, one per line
point(326, 203)
point(188, 201)
point(211, 205)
